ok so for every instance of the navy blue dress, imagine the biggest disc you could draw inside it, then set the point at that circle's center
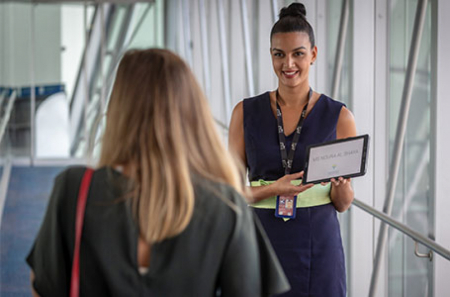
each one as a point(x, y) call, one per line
point(309, 247)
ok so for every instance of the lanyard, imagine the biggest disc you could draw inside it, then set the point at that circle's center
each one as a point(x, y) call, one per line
point(288, 160)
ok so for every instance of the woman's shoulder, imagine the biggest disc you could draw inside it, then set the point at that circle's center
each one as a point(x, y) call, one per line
point(67, 179)
point(256, 101)
point(325, 99)
point(68, 182)
point(76, 172)
point(264, 95)
point(71, 172)
point(255, 107)
point(327, 105)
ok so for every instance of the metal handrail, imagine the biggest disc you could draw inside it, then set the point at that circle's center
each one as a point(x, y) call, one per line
point(417, 237)
point(7, 115)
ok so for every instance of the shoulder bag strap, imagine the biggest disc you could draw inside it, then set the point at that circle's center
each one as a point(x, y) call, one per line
point(81, 205)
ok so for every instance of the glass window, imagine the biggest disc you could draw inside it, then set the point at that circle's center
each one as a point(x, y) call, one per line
point(408, 274)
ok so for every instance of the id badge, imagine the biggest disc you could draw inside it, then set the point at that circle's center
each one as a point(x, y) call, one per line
point(286, 207)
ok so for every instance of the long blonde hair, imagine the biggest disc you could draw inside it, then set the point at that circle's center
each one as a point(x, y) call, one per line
point(159, 125)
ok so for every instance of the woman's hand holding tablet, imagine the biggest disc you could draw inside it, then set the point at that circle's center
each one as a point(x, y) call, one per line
point(344, 158)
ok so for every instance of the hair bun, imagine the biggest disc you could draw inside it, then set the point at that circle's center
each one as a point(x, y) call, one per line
point(293, 10)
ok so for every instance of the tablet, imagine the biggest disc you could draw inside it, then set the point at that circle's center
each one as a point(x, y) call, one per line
point(343, 157)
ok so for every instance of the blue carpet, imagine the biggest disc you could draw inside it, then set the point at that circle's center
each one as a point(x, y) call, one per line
point(25, 205)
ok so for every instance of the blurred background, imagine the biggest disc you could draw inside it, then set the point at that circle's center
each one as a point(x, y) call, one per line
point(387, 60)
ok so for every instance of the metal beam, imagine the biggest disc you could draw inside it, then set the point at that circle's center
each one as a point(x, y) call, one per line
point(187, 32)
point(85, 79)
point(88, 73)
point(120, 47)
point(400, 136)
point(205, 49)
point(248, 51)
point(102, 57)
point(224, 59)
point(5, 118)
point(274, 10)
point(32, 85)
point(4, 182)
point(343, 29)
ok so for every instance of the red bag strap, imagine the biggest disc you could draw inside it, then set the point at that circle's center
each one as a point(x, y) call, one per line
point(79, 219)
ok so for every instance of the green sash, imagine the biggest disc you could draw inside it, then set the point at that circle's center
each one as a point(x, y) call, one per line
point(317, 195)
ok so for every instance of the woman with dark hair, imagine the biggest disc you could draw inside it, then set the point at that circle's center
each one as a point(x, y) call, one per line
point(270, 133)
point(164, 213)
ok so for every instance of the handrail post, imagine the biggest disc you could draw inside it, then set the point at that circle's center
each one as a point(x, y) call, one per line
point(429, 255)
point(400, 136)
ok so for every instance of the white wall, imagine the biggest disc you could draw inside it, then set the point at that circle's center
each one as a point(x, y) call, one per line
point(442, 149)
point(362, 237)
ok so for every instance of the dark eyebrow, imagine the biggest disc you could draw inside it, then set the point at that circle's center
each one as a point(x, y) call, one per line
point(276, 49)
point(295, 49)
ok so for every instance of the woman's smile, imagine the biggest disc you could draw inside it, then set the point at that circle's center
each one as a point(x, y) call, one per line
point(289, 74)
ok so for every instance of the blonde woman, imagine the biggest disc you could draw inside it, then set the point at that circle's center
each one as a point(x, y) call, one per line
point(164, 214)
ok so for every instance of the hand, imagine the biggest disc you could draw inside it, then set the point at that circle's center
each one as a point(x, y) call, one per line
point(341, 193)
point(340, 181)
point(283, 185)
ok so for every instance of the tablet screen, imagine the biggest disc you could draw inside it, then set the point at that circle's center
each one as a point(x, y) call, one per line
point(344, 158)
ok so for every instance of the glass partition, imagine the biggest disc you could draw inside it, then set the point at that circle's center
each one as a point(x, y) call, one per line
point(60, 94)
point(408, 274)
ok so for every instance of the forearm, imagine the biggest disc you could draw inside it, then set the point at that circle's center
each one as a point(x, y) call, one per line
point(261, 192)
point(283, 186)
point(342, 196)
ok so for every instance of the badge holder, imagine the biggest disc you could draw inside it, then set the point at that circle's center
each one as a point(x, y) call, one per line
point(286, 207)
